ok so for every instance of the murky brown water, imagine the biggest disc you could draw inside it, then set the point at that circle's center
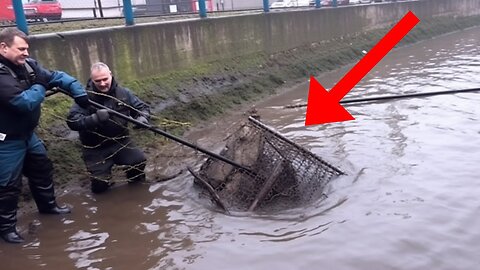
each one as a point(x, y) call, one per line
point(414, 206)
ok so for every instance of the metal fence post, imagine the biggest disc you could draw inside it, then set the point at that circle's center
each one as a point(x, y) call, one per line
point(100, 8)
point(20, 18)
point(128, 12)
point(266, 7)
point(202, 8)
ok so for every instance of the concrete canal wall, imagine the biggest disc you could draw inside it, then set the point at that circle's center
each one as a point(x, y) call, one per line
point(147, 50)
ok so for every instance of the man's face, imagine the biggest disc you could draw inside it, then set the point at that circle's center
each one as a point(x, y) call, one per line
point(102, 79)
point(17, 52)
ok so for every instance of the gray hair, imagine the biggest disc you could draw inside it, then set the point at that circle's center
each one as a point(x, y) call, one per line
point(99, 66)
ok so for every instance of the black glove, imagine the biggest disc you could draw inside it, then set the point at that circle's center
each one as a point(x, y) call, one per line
point(42, 81)
point(83, 101)
point(97, 118)
point(142, 119)
point(102, 115)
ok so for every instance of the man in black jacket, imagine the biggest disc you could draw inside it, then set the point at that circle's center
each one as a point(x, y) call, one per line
point(105, 138)
point(23, 83)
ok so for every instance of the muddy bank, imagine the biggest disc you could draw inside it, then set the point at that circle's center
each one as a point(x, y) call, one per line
point(184, 98)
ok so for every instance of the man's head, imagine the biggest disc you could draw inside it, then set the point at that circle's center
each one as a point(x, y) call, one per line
point(101, 76)
point(14, 45)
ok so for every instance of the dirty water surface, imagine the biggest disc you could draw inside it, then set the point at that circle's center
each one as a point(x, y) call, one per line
point(409, 199)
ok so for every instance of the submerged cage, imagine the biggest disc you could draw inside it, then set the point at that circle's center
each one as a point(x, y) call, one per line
point(276, 174)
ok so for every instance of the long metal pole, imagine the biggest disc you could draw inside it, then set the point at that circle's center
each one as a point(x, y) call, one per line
point(168, 135)
point(383, 98)
point(155, 129)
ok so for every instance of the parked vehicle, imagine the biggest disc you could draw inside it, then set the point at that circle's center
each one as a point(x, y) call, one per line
point(290, 3)
point(43, 10)
point(6, 11)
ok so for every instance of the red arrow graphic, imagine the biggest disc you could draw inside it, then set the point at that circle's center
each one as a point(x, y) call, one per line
point(323, 106)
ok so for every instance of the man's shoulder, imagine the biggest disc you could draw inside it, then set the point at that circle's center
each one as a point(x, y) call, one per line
point(121, 91)
point(123, 88)
point(128, 91)
point(31, 62)
point(3, 69)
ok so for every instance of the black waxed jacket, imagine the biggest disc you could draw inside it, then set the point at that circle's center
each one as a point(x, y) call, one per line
point(21, 96)
point(117, 98)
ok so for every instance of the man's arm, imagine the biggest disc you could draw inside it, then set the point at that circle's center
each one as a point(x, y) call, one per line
point(79, 119)
point(62, 80)
point(14, 97)
point(141, 108)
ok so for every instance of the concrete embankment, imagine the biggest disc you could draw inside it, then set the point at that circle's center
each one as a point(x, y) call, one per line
point(193, 69)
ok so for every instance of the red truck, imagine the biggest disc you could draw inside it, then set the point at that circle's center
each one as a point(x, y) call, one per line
point(38, 10)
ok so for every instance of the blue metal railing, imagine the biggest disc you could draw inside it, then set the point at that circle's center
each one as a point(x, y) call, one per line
point(129, 12)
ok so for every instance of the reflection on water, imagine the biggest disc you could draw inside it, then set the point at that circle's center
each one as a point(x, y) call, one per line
point(409, 200)
point(82, 244)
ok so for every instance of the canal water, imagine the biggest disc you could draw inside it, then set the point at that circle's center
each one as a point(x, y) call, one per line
point(409, 199)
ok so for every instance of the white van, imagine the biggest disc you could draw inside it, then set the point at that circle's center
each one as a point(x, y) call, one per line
point(290, 3)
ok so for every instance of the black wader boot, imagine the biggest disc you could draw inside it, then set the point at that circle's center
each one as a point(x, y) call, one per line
point(8, 216)
point(100, 184)
point(39, 171)
point(45, 199)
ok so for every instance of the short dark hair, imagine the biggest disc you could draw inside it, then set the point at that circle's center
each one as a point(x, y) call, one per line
point(8, 34)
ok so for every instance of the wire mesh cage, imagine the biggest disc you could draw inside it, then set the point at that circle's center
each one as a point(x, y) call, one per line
point(277, 173)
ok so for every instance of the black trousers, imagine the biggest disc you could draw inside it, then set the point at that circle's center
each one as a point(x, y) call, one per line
point(100, 160)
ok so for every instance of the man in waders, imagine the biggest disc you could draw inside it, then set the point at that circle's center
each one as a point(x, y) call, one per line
point(23, 83)
point(105, 138)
